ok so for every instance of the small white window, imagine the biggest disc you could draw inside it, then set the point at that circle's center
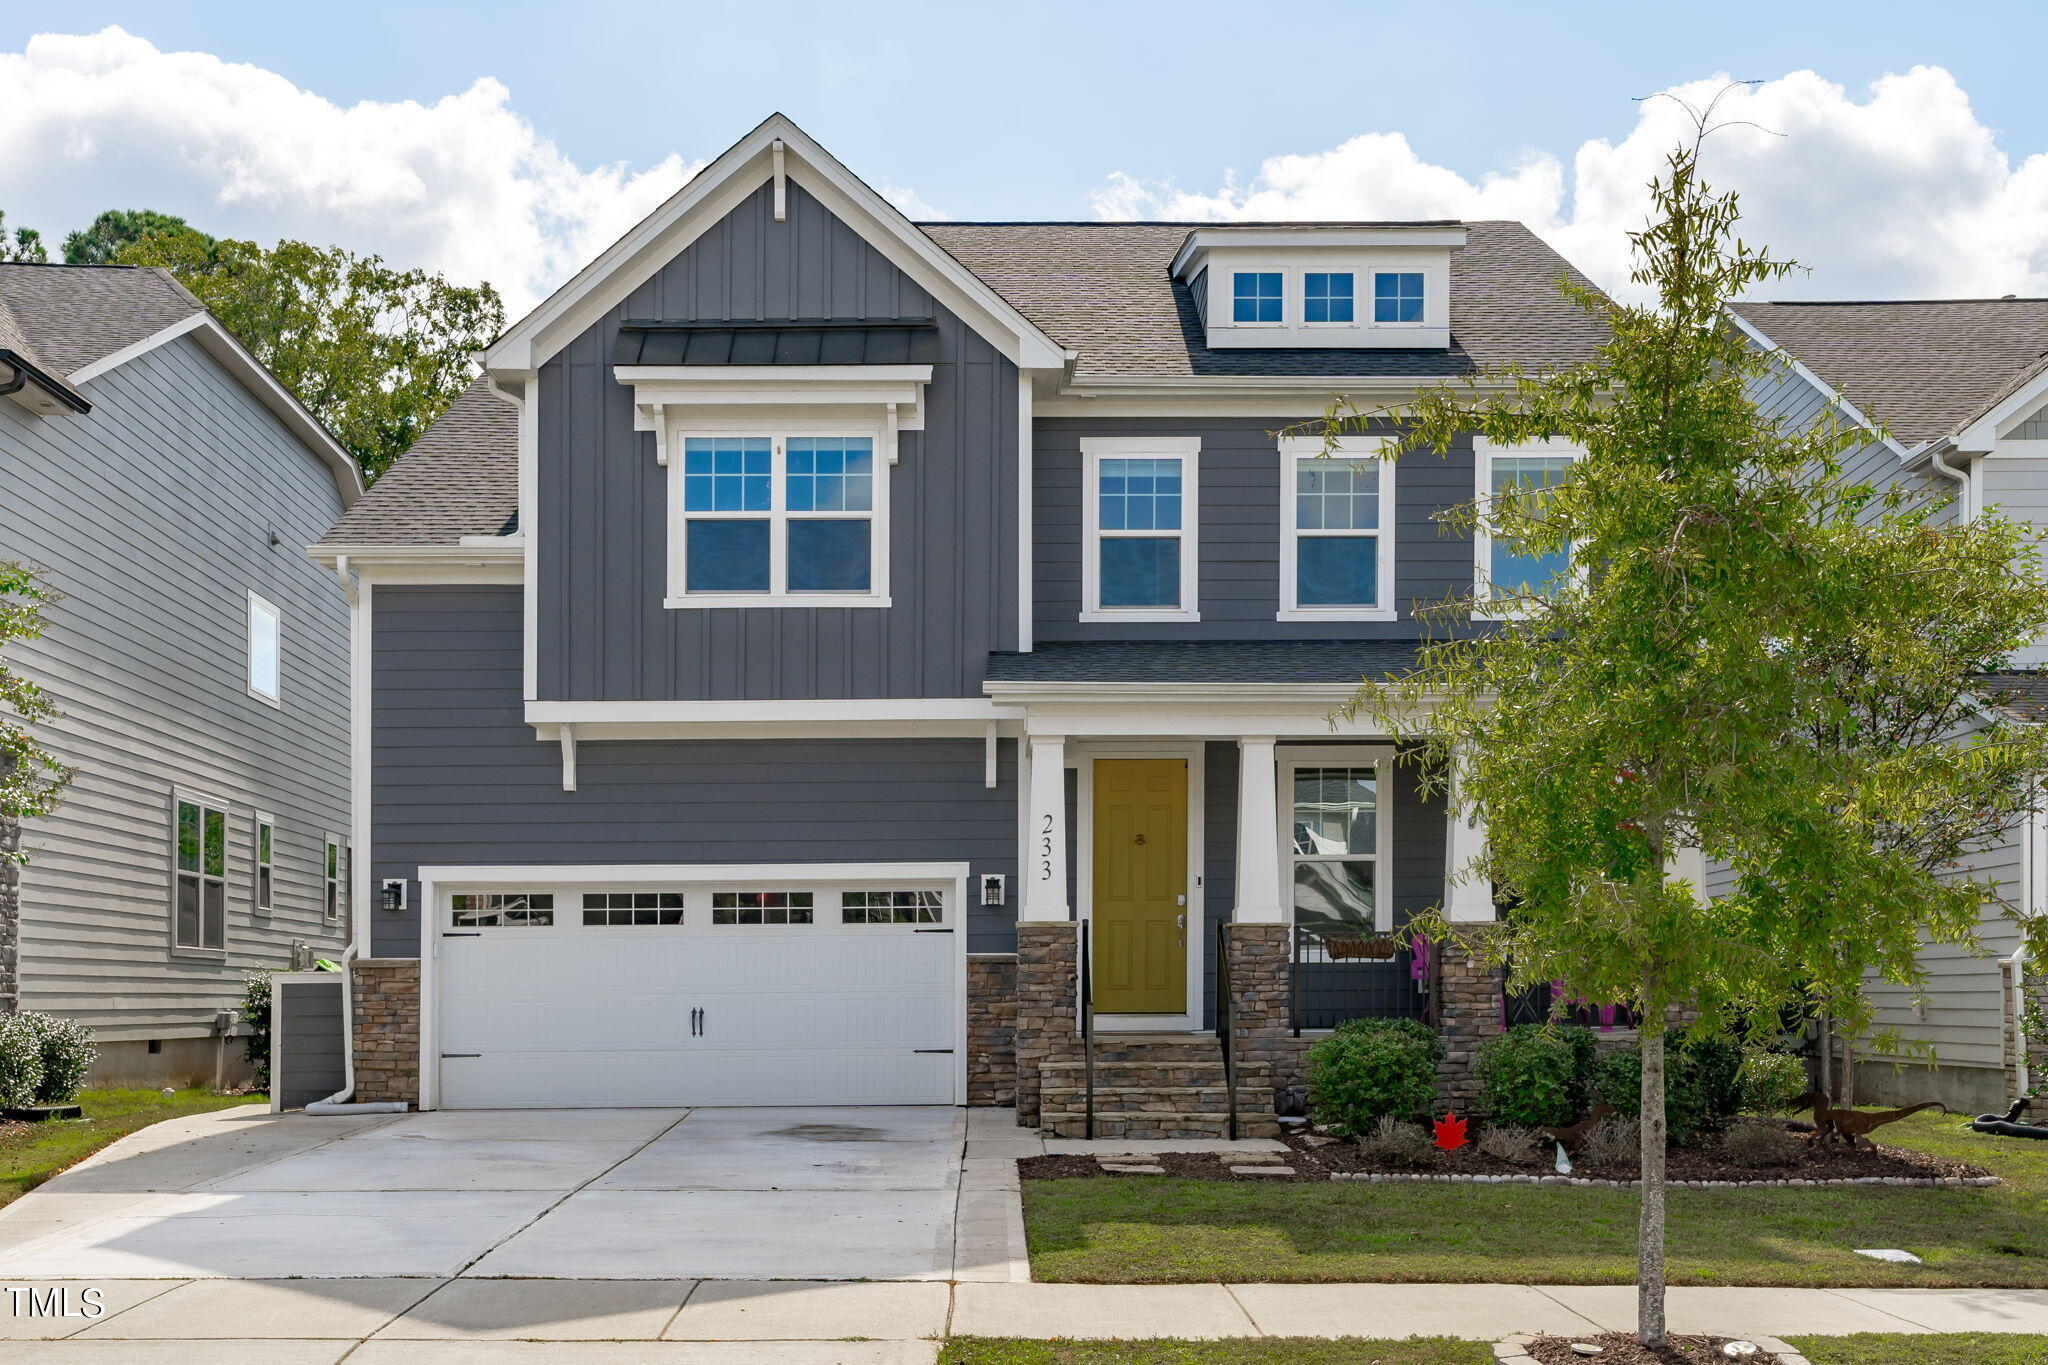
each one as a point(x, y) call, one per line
point(266, 851)
point(266, 650)
point(891, 907)
point(615, 908)
point(503, 910)
point(1141, 553)
point(1502, 566)
point(761, 907)
point(336, 869)
point(1336, 531)
point(199, 894)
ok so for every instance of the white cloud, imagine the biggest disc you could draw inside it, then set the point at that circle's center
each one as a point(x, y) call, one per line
point(1897, 192)
point(463, 185)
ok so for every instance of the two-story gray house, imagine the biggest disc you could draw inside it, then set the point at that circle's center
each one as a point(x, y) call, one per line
point(166, 486)
point(814, 627)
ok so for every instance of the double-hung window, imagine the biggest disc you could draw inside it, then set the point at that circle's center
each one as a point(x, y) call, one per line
point(1336, 532)
point(780, 521)
point(1507, 569)
point(1335, 806)
point(1326, 297)
point(266, 651)
point(266, 849)
point(1256, 296)
point(336, 868)
point(1397, 296)
point(1141, 551)
point(199, 896)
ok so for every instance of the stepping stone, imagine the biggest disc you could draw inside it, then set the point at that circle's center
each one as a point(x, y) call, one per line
point(1129, 1168)
point(1262, 1170)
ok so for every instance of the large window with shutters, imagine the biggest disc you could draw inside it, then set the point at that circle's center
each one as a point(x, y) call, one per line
point(199, 876)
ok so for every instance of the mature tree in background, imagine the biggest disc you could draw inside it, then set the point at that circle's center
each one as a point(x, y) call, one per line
point(116, 230)
point(1686, 689)
point(375, 352)
point(27, 244)
point(30, 778)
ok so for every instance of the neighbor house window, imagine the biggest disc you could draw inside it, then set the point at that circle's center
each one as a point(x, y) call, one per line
point(1326, 297)
point(1504, 566)
point(891, 907)
point(1336, 843)
point(1336, 532)
point(504, 910)
point(761, 907)
point(1141, 515)
point(1397, 296)
point(266, 650)
point(336, 869)
point(1255, 296)
point(200, 899)
point(780, 520)
point(632, 907)
point(266, 848)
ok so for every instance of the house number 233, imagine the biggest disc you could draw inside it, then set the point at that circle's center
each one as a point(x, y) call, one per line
point(1045, 851)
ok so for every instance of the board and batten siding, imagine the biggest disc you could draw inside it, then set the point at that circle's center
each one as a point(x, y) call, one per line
point(1238, 577)
point(460, 778)
point(604, 634)
point(154, 516)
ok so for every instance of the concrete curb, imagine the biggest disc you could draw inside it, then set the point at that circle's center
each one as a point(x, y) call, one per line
point(1513, 1350)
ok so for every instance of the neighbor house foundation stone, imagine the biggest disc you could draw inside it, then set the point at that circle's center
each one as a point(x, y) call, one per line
point(387, 1027)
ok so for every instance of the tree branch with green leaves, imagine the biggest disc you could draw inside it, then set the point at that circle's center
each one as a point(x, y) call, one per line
point(31, 778)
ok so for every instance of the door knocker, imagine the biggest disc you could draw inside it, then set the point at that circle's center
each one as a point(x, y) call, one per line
point(1139, 840)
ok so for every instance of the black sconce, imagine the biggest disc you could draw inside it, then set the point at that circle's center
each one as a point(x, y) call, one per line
point(393, 895)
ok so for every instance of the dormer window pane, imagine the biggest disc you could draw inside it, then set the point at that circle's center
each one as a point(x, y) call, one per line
point(1256, 296)
point(1326, 297)
point(1397, 296)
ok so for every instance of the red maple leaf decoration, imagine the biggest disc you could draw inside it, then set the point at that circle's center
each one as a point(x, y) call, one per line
point(1450, 1132)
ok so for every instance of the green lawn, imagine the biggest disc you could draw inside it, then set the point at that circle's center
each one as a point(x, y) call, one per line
point(1158, 1230)
point(1232, 1351)
point(1879, 1348)
point(33, 1154)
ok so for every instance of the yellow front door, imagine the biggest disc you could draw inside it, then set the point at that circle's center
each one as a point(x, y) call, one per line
point(1140, 909)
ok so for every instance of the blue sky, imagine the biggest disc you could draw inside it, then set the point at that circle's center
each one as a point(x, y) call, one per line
point(1022, 111)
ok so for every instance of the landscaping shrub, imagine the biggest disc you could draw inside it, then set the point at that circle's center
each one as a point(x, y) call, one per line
point(1505, 1142)
point(1760, 1144)
point(1395, 1143)
point(1612, 1142)
point(1370, 1069)
point(21, 1062)
point(67, 1051)
point(1535, 1074)
point(256, 1009)
point(1772, 1082)
point(1702, 1086)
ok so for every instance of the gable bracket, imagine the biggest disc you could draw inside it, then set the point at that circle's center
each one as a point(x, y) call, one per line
point(781, 183)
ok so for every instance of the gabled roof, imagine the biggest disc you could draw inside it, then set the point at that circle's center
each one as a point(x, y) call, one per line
point(461, 478)
point(78, 322)
point(1925, 368)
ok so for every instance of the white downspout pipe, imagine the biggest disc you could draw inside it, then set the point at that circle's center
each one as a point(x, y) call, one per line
point(340, 1102)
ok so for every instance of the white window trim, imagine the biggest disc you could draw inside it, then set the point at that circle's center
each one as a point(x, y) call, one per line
point(1188, 450)
point(1287, 294)
point(1483, 452)
point(1381, 760)
point(1350, 326)
point(334, 889)
point(1372, 300)
point(262, 904)
point(777, 431)
point(259, 603)
point(1351, 449)
point(187, 795)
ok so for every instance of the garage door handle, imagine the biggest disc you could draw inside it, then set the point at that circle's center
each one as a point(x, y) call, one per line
point(472, 933)
point(932, 1049)
point(697, 1023)
point(447, 1055)
point(931, 931)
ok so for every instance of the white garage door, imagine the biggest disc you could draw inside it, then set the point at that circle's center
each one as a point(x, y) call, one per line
point(781, 994)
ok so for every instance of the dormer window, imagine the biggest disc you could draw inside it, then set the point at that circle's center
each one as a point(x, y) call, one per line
point(1326, 296)
point(1397, 296)
point(1256, 296)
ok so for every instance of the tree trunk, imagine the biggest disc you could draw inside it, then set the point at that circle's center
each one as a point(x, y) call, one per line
point(1847, 1098)
point(1824, 1056)
point(1650, 1231)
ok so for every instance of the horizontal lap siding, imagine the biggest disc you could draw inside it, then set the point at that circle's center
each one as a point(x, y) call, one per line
point(1239, 572)
point(154, 516)
point(604, 634)
point(310, 1063)
point(461, 779)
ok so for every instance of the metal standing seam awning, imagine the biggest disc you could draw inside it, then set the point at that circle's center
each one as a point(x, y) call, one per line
point(777, 341)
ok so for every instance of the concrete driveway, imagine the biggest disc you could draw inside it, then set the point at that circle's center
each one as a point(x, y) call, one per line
point(617, 1194)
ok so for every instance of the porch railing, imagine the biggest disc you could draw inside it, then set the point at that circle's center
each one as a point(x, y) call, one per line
point(1540, 1005)
point(1083, 972)
point(1226, 1029)
point(1332, 978)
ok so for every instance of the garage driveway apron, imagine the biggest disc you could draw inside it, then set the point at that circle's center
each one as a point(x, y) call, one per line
point(807, 1194)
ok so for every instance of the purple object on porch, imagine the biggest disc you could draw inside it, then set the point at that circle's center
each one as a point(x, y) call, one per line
point(1418, 960)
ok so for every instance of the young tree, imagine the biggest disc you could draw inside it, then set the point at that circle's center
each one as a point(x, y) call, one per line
point(30, 778)
point(375, 352)
point(102, 241)
point(26, 246)
point(1751, 660)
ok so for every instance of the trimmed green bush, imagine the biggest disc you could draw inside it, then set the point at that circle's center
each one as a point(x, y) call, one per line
point(1702, 1086)
point(67, 1052)
point(1369, 1069)
point(1535, 1074)
point(1772, 1082)
point(256, 1010)
point(21, 1062)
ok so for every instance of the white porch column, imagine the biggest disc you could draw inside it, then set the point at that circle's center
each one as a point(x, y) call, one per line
point(1467, 899)
point(1045, 832)
point(1258, 834)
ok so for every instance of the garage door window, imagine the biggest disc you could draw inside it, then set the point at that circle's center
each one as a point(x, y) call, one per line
point(890, 907)
point(760, 907)
point(505, 910)
point(632, 907)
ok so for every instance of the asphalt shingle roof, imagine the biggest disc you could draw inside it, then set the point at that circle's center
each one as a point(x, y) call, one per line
point(459, 479)
point(1203, 661)
point(1924, 368)
point(68, 316)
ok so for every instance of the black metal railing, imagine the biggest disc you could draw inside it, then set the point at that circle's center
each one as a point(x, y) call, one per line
point(1334, 977)
point(1540, 1005)
point(1226, 1028)
point(1085, 987)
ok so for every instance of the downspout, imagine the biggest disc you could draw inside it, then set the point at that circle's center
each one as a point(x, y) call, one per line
point(1942, 467)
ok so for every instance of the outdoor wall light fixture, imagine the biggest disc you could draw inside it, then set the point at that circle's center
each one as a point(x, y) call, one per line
point(393, 894)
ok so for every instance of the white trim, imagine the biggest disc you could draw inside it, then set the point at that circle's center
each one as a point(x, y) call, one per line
point(259, 821)
point(361, 664)
point(1483, 453)
point(977, 711)
point(338, 880)
point(1084, 760)
point(1261, 834)
point(1026, 514)
point(1289, 711)
point(1042, 855)
point(1980, 435)
point(182, 794)
point(1380, 758)
point(233, 357)
point(1293, 450)
point(1187, 450)
point(715, 191)
point(1202, 239)
point(261, 605)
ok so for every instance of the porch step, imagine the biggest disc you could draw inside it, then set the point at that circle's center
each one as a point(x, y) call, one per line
point(1062, 1100)
point(1157, 1047)
point(1140, 1073)
point(1142, 1124)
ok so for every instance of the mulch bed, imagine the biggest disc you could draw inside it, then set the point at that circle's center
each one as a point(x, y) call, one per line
point(1619, 1349)
point(1313, 1158)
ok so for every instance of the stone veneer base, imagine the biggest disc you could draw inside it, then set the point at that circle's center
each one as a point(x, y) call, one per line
point(386, 991)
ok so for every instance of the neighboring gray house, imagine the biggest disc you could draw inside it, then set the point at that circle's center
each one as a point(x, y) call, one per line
point(814, 626)
point(1961, 389)
point(167, 486)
